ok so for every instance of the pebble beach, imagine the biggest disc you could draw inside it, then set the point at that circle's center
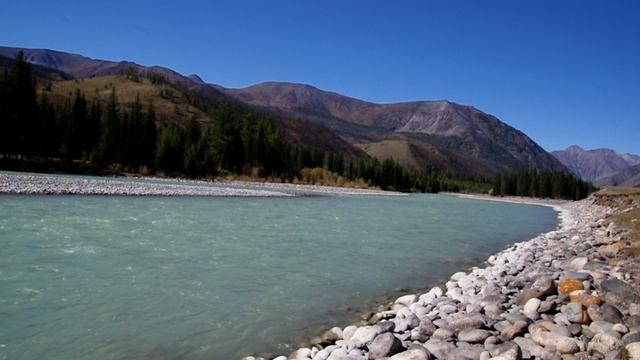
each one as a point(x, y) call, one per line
point(50, 184)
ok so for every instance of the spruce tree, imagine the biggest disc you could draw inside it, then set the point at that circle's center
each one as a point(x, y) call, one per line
point(107, 150)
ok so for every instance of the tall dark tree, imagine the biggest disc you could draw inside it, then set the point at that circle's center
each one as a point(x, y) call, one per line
point(542, 184)
point(18, 109)
point(49, 135)
point(149, 136)
point(73, 145)
point(108, 150)
point(170, 149)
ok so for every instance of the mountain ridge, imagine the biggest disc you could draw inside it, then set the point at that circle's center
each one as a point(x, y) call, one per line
point(626, 177)
point(598, 165)
point(458, 138)
point(478, 134)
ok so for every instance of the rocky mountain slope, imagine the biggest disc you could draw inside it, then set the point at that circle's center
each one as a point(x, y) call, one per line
point(433, 128)
point(599, 165)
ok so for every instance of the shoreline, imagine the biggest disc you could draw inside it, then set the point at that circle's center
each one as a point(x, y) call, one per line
point(560, 295)
point(17, 183)
point(552, 203)
point(555, 204)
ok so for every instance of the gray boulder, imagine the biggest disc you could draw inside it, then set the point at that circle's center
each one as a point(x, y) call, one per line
point(324, 353)
point(348, 332)
point(604, 343)
point(384, 345)
point(423, 331)
point(365, 335)
point(440, 349)
point(332, 335)
point(469, 321)
point(506, 351)
point(577, 263)
point(530, 349)
point(517, 329)
point(405, 320)
point(631, 337)
point(633, 322)
point(343, 354)
point(618, 292)
point(610, 313)
point(412, 354)
point(574, 312)
point(530, 309)
point(465, 351)
point(599, 327)
point(300, 354)
point(473, 336)
point(443, 334)
point(540, 288)
point(407, 300)
point(562, 344)
point(633, 351)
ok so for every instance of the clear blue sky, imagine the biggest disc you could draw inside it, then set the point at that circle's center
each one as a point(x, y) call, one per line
point(563, 72)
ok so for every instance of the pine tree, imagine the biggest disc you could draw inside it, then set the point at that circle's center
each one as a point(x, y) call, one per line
point(107, 149)
point(18, 109)
point(74, 132)
point(149, 137)
point(170, 149)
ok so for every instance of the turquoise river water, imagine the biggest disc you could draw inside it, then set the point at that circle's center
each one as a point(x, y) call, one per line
point(107, 277)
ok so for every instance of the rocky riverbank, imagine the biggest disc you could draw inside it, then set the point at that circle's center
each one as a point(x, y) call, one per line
point(567, 294)
point(49, 184)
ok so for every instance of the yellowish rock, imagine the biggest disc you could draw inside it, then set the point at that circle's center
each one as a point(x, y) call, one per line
point(568, 285)
point(585, 298)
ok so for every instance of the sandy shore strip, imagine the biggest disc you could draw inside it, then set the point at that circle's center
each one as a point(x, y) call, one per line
point(553, 203)
point(303, 189)
point(566, 294)
point(50, 184)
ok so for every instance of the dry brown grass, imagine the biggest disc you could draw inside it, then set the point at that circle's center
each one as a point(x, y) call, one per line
point(396, 150)
point(627, 201)
point(631, 191)
point(630, 220)
point(168, 102)
point(308, 176)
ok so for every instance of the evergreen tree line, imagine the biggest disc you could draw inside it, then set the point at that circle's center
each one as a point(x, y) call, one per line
point(533, 183)
point(237, 141)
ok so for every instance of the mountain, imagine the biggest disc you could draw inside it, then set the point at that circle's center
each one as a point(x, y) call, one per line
point(462, 137)
point(40, 72)
point(629, 176)
point(82, 67)
point(452, 137)
point(596, 165)
point(94, 77)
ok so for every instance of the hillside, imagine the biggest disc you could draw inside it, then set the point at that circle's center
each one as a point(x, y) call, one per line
point(462, 132)
point(599, 165)
point(81, 67)
point(172, 105)
point(169, 104)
